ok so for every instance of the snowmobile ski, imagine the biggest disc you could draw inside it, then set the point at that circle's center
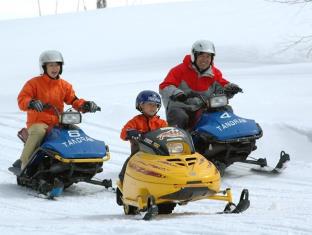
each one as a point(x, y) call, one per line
point(242, 205)
point(279, 168)
point(42, 196)
point(151, 212)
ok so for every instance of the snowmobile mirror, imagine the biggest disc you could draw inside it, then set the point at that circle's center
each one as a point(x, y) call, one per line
point(70, 118)
point(218, 101)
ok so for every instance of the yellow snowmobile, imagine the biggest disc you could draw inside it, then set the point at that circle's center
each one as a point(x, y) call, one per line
point(167, 171)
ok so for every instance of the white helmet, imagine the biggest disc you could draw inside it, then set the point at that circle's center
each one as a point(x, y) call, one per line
point(202, 46)
point(48, 57)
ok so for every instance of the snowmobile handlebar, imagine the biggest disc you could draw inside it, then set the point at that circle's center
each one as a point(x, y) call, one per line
point(50, 106)
point(65, 118)
point(215, 100)
point(232, 90)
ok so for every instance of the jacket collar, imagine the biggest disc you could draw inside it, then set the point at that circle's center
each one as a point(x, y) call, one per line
point(207, 73)
point(48, 79)
point(149, 117)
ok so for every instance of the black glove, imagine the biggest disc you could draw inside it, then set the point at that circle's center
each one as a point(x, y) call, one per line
point(133, 134)
point(90, 106)
point(232, 89)
point(181, 97)
point(36, 105)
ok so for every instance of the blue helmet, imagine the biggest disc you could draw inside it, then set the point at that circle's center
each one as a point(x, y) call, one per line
point(147, 96)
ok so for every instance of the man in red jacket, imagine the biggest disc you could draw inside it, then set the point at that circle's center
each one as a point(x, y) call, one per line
point(196, 75)
point(48, 88)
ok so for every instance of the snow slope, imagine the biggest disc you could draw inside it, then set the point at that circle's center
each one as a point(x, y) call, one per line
point(112, 54)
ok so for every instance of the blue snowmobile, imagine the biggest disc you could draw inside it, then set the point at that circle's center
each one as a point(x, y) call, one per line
point(225, 138)
point(66, 156)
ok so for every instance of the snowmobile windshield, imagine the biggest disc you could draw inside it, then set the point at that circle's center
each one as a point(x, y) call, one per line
point(167, 141)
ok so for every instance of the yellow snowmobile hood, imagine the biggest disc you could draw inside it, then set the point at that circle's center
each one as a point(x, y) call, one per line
point(178, 170)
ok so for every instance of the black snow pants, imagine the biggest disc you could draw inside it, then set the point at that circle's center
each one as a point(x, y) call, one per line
point(179, 117)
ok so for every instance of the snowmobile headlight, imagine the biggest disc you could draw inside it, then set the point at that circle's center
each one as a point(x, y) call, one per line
point(175, 148)
point(71, 118)
point(218, 101)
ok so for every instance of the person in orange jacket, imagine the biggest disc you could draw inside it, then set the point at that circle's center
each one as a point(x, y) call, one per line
point(148, 103)
point(48, 88)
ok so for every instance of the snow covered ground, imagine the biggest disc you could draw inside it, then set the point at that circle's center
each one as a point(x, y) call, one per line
point(112, 54)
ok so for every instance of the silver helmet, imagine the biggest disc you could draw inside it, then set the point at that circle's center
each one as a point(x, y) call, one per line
point(202, 46)
point(48, 57)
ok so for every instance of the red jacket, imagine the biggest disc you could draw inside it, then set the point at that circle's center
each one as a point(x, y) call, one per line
point(54, 92)
point(143, 124)
point(196, 82)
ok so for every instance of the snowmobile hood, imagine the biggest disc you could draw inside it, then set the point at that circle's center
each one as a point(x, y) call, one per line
point(170, 178)
point(226, 125)
point(74, 144)
point(173, 170)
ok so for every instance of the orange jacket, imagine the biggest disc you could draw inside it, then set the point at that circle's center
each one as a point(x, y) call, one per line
point(54, 92)
point(143, 124)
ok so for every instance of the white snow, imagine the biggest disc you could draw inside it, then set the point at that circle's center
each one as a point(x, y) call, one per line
point(112, 54)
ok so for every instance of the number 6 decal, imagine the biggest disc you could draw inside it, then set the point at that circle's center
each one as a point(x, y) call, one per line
point(73, 133)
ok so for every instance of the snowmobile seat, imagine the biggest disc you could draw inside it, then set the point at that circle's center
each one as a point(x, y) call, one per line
point(23, 134)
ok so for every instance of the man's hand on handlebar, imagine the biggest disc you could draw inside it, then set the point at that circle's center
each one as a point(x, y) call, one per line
point(232, 89)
